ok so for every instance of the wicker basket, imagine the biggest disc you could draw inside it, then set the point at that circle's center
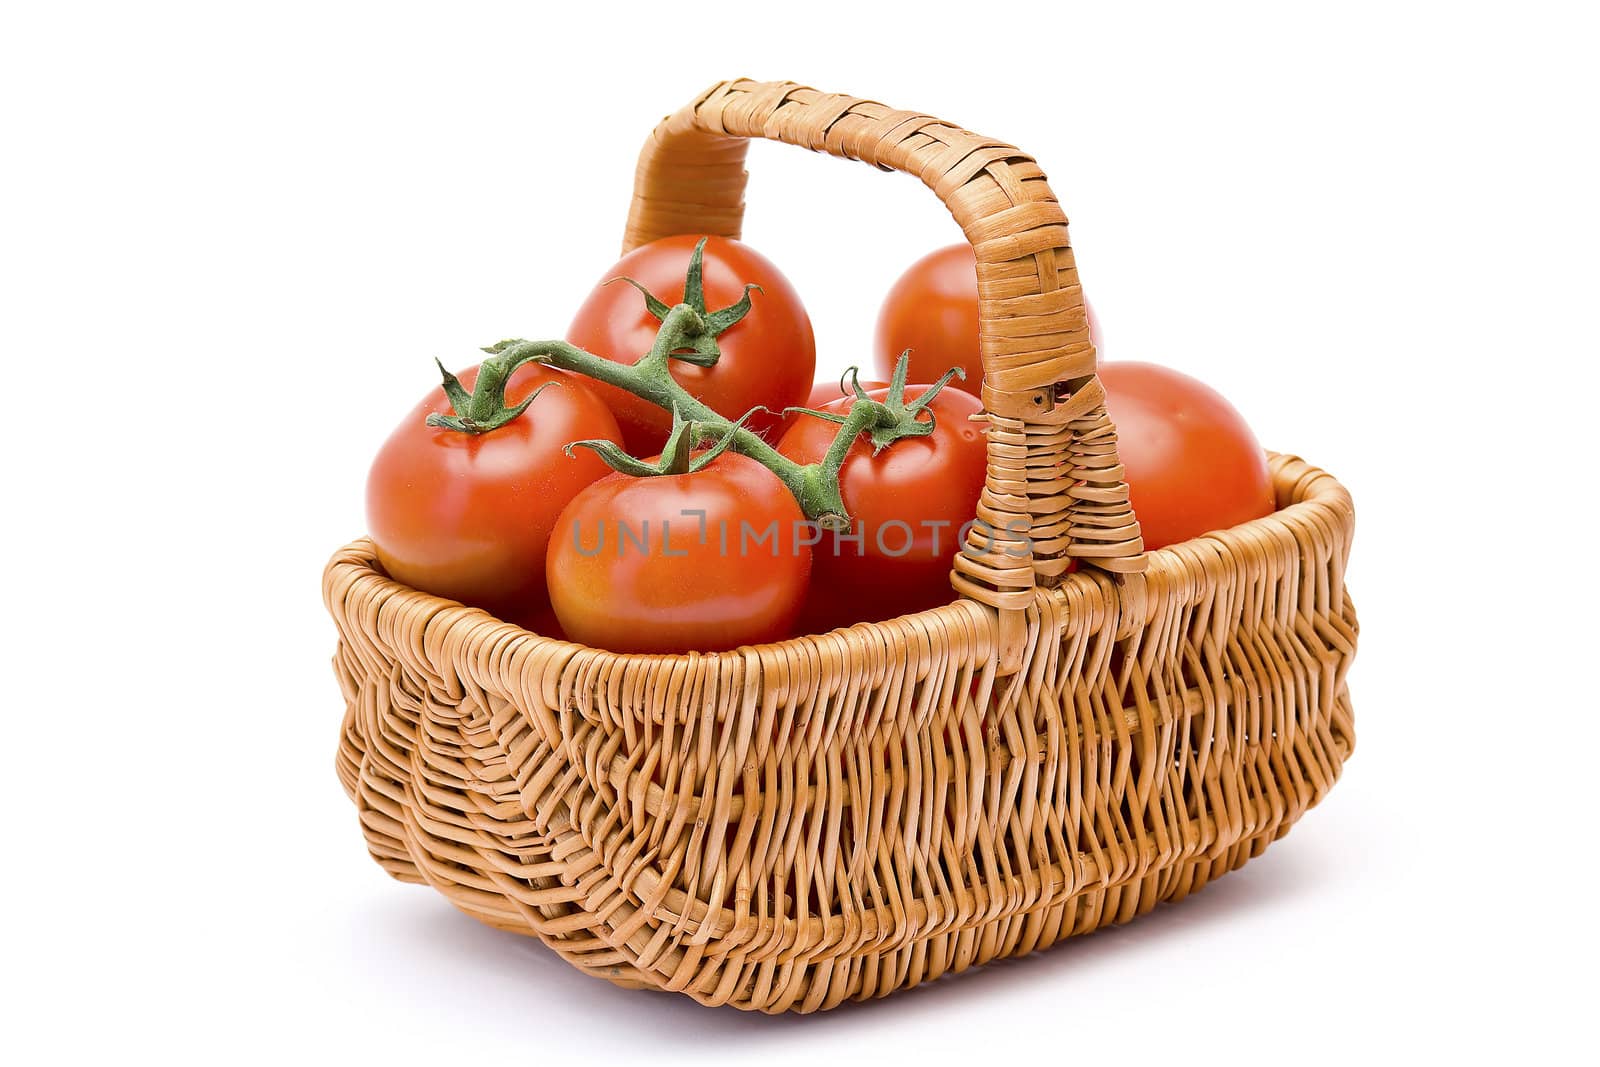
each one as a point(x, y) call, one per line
point(836, 817)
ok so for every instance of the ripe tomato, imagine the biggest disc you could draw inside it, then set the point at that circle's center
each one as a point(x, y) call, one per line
point(1192, 464)
point(908, 503)
point(932, 309)
point(704, 561)
point(468, 516)
point(767, 359)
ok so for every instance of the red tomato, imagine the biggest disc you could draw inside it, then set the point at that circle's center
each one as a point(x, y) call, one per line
point(768, 357)
point(933, 310)
point(1192, 464)
point(705, 561)
point(468, 516)
point(909, 503)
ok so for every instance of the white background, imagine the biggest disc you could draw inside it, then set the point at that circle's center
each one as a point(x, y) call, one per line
point(235, 236)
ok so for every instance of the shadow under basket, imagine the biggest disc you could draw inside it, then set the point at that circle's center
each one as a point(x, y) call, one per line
point(836, 817)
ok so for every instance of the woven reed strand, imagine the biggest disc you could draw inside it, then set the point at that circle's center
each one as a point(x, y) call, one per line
point(787, 827)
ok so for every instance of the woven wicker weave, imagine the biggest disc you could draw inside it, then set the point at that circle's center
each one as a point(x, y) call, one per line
point(789, 826)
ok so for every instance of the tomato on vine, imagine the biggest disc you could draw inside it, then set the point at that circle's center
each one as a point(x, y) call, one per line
point(728, 559)
point(684, 552)
point(908, 502)
point(764, 361)
point(463, 496)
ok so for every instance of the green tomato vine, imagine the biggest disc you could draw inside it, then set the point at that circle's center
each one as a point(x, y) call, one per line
point(689, 332)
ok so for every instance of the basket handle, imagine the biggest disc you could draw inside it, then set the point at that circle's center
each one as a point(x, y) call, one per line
point(1054, 490)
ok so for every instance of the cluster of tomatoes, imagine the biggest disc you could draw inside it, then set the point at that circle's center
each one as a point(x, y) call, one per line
point(690, 547)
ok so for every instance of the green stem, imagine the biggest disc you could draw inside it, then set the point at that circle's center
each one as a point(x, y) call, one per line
point(682, 331)
point(650, 379)
point(680, 448)
point(689, 332)
point(864, 414)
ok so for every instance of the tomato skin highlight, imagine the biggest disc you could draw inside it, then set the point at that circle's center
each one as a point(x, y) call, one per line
point(932, 309)
point(1192, 463)
point(679, 593)
point(468, 516)
point(918, 482)
point(767, 359)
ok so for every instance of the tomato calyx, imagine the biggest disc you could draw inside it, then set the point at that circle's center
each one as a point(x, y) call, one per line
point(893, 419)
point(484, 408)
point(698, 331)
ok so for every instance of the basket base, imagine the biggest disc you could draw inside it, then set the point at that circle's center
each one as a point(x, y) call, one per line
point(875, 976)
point(404, 846)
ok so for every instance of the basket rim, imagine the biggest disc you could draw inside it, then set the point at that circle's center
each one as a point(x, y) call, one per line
point(1306, 493)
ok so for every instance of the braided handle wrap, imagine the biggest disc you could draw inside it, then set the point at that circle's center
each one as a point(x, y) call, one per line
point(1055, 489)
